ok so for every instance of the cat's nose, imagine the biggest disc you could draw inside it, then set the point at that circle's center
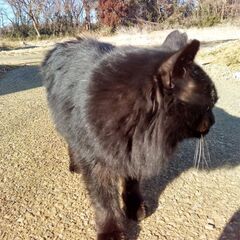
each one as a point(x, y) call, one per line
point(204, 127)
point(206, 123)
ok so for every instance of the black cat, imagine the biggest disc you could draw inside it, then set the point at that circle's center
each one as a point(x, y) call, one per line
point(122, 111)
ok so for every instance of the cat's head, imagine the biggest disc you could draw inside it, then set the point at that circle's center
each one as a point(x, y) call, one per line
point(188, 95)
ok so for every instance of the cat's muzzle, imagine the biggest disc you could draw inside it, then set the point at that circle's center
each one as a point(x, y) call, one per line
point(206, 123)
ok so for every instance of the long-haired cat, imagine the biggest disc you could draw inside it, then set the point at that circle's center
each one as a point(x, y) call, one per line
point(122, 111)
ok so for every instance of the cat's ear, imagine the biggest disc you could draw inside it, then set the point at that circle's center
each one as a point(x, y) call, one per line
point(175, 41)
point(176, 63)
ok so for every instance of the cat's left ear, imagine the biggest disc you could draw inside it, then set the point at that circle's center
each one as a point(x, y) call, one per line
point(175, 64)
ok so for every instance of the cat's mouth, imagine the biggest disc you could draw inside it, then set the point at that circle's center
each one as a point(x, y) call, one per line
point(197, 133)
point(200, 134)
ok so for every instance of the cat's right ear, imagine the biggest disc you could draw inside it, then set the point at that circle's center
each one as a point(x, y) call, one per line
point(177, 62)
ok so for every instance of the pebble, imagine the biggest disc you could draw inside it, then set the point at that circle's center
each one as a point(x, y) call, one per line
point(209, 226)
point(210, 221)
point(237, 75)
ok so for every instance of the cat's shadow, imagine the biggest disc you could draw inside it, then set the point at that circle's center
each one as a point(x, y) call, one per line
point(232, 228)
point(224, 145)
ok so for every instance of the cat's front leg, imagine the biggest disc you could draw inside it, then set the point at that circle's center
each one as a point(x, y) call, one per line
point(110, 225)
point(135, 206)
point(102, 186)
point(110, 231)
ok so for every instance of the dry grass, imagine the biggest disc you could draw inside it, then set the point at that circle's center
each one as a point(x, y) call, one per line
point(227, 54)
point(9, 44)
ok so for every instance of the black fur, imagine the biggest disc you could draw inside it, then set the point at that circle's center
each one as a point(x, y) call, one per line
point(122, 112)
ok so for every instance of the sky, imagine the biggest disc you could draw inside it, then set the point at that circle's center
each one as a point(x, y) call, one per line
point(5, 6)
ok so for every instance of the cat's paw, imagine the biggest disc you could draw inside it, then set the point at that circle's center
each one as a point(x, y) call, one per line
point(141, 212)
point(111, 236)
point(137, 212)
point(74, 168)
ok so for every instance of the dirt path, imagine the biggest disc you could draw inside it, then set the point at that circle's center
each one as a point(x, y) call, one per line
point(40, 199)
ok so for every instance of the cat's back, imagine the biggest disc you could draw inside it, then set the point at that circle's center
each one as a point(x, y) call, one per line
point(71, 61)
point(66, 72)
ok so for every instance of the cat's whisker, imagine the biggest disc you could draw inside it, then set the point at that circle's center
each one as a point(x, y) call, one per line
point(200, 157)
point(208, 152)
point(204, 156)
point(202, 151)
point(200, 154)
point(196, 154)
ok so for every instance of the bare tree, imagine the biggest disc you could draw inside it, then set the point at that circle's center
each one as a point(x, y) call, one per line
point(59, 17)
point(87, 9)
point(17, 12)
point(25, 10)
point(76, 7)
point(2, 14)
point(33, 9)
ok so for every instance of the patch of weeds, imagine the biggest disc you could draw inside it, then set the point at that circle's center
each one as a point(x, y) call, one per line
point(227, 54)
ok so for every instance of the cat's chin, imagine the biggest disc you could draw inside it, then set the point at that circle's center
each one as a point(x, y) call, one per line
point(201, 134)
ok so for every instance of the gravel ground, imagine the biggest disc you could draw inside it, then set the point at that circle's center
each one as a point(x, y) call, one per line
point(41, 199)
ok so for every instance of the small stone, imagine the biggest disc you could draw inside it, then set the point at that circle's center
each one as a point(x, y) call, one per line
point(209, 226)
point(210, 221)
point(237, 75)
point(20, 220)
